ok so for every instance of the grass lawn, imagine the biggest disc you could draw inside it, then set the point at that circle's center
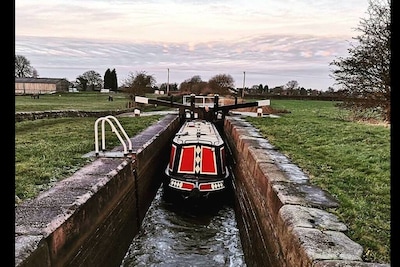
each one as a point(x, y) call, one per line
point(348, 159)
point(88, 101)
point(49, 150)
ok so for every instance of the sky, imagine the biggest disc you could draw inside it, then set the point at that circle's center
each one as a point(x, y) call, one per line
point(268, 42)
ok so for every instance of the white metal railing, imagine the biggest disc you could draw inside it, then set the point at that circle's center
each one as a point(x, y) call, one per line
point(114, 130)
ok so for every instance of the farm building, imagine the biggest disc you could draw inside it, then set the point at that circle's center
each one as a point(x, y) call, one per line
point(34, 86)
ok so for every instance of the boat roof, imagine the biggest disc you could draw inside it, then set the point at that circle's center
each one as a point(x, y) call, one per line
point(198, 131)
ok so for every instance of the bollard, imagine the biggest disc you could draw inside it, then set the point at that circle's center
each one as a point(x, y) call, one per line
point(259, 112)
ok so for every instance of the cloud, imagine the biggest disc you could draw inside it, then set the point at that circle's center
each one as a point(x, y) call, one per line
point(184, 21)
point(279, 56)
point(271, 40)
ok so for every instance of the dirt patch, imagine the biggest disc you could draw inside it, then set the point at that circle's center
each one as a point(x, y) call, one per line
point(265, 109)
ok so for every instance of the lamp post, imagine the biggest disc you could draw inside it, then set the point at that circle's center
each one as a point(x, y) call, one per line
point(168, 82)
point(244, 79)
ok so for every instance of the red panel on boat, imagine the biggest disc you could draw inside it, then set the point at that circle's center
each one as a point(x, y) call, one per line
point(208, 164)
point(205, 187)
point(172, 157)
point(187, 185)
point(186, 163)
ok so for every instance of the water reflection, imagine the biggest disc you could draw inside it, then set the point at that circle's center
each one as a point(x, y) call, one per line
point(177, 233)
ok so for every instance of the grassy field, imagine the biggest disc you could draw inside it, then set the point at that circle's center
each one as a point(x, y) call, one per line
point(49, 150)
point(88, 101)
point(350, 160)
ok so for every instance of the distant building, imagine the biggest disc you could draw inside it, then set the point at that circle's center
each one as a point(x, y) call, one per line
point(32, 86)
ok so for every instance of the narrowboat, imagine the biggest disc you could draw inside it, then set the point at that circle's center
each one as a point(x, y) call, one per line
point(197, 164)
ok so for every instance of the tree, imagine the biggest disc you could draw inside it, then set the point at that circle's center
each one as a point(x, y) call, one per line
point(35, 74)
point(139, 84)
point(221, 84)
point(260, 88)
point(193, 85)
point(81, 83)
point(107, 79)
point(114, 81)
point(365, 73)
point(172, 87)
point(110, 80)
point(92, 78)
point(23, 68)
point(266, 89)
point(292, 85)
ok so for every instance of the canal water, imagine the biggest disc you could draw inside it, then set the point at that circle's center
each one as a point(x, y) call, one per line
point(176, 233)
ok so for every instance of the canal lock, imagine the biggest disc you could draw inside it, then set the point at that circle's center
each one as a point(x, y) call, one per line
point(185, 232)
point(89, 219)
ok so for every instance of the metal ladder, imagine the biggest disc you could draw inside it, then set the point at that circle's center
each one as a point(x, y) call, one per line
point(109, 119)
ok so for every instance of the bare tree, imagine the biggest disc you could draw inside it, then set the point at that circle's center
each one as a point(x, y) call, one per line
point(23, 68)
point(291, 85)
point(365, 73)
point(292, 88)
point(221, 83)
point(139, 83)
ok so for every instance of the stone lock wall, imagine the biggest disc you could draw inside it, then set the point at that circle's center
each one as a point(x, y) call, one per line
point(282, 217)
point(90, 218)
